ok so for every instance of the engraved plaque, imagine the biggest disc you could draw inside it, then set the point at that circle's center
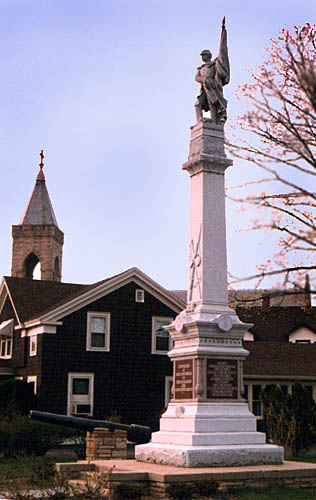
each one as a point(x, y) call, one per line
point(222, 379)
point(183, 379)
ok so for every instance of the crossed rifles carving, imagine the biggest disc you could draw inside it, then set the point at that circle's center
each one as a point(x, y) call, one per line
point(196, 261)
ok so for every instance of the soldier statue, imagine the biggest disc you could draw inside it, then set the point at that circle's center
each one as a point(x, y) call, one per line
point(213, 75)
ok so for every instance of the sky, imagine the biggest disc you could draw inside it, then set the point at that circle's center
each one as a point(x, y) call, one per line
point(106, 88)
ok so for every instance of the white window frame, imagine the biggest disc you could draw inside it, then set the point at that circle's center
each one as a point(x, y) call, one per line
point(153, 335)
point(139, 295)
point(33, 352)
point(33, 378)
point(73, 399)
point(107, 316)
point(6, 342)
point(168, 389)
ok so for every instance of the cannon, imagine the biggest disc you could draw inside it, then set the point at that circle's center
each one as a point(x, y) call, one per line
point(138, 434)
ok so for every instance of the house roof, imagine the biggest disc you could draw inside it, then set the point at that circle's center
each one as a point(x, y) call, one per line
point(280, 359)
point(255, 297)
point(39, 209)
point(31, 297)
point(271, 354)
point(50, 300)
point(277, 323)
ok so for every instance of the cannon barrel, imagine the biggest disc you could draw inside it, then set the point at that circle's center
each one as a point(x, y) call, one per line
point(138, 434)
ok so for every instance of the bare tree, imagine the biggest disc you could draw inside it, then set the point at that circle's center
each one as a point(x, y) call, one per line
point(278, 135)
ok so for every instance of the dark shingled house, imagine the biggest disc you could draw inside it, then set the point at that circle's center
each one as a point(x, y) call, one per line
point(101, 348)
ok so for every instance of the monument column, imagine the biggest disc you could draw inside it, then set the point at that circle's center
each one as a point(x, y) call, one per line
point(207, 261)
point(207, 422)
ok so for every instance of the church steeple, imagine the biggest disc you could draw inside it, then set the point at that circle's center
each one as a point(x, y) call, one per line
point(39, 209)
point(37, 238)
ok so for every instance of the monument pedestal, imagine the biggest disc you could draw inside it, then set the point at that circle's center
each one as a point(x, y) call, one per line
point(208, 435)
point(207, 423)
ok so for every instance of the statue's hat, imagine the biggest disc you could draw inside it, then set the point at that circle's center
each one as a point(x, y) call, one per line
point(206, 51)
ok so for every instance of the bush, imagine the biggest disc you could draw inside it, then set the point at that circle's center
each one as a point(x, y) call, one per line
point(16, 396)
point(19, 476)
point(21, 436)
point(35, 469)
point(290, 420)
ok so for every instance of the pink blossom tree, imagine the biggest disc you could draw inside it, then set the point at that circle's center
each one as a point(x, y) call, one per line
point(278, 135)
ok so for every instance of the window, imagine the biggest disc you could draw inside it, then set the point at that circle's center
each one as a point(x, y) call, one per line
point(80, 394)
point(309, 388)
point(33, 345)
point(256, 401)
point(307, 341)
point(161, 341)
point(98, 331)
point(80, 386)
point(140, 296)
point(245, 394)
point(6, 348)
point(33, 381)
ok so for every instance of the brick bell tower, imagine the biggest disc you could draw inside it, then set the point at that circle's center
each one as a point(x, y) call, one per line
point(37, 238)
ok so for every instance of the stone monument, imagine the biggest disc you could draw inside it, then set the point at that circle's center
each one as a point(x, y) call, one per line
point(207, 422)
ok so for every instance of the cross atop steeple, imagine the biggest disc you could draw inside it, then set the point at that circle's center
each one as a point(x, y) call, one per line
point(40, 176)
point(39, 209)
point(41, 165)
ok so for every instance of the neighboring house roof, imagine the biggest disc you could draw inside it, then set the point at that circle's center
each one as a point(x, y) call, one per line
point(271, 354)
point(50, 300)
point(181, 294)
point(39, 209)
point(280, 359)
point(250, 298)
point(276, 324)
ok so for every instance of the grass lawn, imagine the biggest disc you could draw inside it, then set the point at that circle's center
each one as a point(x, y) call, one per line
point(304, 458)
point(273, 493)
point(23, 467)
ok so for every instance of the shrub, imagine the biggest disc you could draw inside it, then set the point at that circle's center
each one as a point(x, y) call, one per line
point(35, 469)
point(290, 420)
point(21, 436)
point(93, 487)
point(16, 396)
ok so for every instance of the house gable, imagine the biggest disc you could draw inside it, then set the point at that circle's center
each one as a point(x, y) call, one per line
point(7, 307)
point(99, 290)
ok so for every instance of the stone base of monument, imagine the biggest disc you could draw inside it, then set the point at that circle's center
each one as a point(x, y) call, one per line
point(208, 435)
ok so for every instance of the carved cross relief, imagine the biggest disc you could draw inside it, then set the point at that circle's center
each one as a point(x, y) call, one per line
point(195, 263)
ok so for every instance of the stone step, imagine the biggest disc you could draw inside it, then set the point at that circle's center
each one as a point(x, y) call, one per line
point(191, 424)
point(208, 438)
point(209, 456)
